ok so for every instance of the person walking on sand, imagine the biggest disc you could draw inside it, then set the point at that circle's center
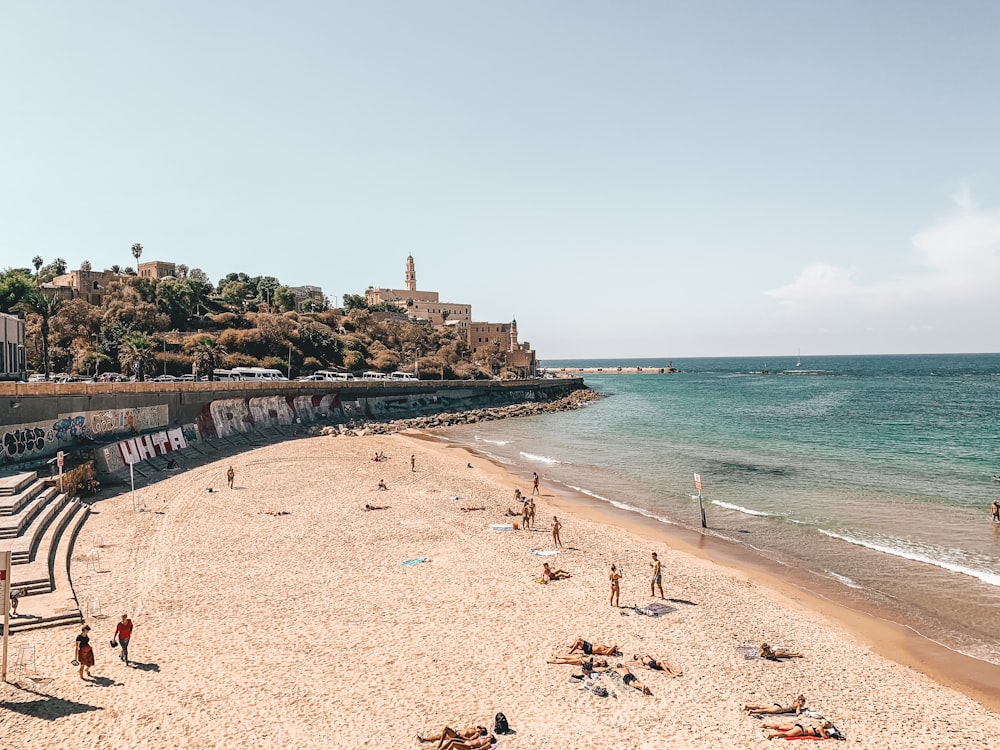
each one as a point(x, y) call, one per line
point(230, 477)
point(657, 577)
point(15, 597)
point(615, 576)
point(556, 526)
point(996, 511)
point(413, 462)
point(84, 654)
point(123, 633)
point(534, 483)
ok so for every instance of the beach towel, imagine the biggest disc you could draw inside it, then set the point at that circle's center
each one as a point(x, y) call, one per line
point(656, 609)
point(545, 552)
point(749, 652)
point(502, 527)
point(416, 561)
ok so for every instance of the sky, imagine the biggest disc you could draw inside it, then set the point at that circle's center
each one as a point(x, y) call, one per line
point(626, 179)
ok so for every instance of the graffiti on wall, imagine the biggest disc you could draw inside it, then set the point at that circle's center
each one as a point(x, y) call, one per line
point(20, 441)
point(141, 448)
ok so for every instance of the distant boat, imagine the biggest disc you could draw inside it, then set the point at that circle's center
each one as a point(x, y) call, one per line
point(798, 361)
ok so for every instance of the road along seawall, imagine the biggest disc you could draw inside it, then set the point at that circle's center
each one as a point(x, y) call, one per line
point(122, 423)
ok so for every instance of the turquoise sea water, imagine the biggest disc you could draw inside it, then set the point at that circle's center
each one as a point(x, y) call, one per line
point(874, 472)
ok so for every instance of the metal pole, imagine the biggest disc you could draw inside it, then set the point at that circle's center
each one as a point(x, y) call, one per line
point(704, 524)
point(131, 476)
point(289, 360)
point(5, 572)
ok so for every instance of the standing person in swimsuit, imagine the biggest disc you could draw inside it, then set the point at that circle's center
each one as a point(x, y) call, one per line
point(996, 511)
point(534, 483)
point(615, 576)
point(531, 511)
point(230, 477)
point(556, 526)
point(657, 577)
point(84, 654)
point(413, 462)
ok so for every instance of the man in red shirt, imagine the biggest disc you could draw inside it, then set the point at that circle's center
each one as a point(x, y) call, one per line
point(123, 632)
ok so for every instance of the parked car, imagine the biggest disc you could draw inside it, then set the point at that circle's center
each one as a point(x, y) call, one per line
point(309, 378)
point(37, 377)
point(164, 379)
point(189, 378)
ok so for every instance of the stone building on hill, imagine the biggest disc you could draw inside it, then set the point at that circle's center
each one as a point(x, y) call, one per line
point(418, 304)
point(500, 339)
point(12, 363)
point(82, 284)
point(157, 269)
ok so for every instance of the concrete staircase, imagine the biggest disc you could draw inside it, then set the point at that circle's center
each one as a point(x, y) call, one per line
point(38, 524)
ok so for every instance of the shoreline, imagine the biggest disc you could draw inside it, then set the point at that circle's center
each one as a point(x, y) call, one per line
point(976, 678)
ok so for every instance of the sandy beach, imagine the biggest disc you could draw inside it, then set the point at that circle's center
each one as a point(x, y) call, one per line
point(279, 614)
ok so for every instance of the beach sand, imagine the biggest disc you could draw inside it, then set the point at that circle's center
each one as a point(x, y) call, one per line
point(305, 630)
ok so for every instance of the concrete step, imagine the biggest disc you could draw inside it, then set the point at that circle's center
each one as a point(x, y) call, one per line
point(11, 526)
point(14, 483)
point(12, 504)
point(25, 546)
point(27, 624)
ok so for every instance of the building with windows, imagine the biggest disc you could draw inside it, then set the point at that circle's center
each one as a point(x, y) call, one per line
point(12, 361)
point(82, 284)
point(157, 269)
point(308, 297)
point(418, 304)
point(499, 340)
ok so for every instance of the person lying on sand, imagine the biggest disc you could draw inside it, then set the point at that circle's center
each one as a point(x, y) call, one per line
point(275, 513)
point(630, 679)
point(376, 507)
point(766, 652)
point(469, 733)
point(776, 708)
point(825, 730)
point(580, 661)
point(657, 665)
point(593, 648)
point(466, 510)
point(476, 743)
point(553, 575)
point(515, 513)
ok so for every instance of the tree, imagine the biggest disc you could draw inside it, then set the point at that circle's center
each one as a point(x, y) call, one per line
point(235, 293)
point(174, 299)
point(37, 262)
point(354, 302)
point(36, 303)
point(284, 299)
point(136, 354)
point(136, 252)
point(86, 266)
point(206, 353)
point(116, 269)
point(182, 271)
point(15, 285)
point(49, 271)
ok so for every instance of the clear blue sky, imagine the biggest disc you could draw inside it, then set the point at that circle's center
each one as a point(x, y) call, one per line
point(626, 178)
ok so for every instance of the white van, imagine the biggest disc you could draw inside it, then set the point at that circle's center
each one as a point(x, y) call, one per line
point(258, 373)
point(225, 375)
point(373, 375)
point(331, 375)
point(400, 375)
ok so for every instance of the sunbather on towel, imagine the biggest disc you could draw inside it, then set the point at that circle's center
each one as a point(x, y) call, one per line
point(593, 648)
point(553, 575)
point(776, 708)
point(824, 731)
point(469, 733)
point(591, 663)
point(376, 507)
point(766, 652)
point(630, 679)
point(467, 510)
point(657, 665)
point(477, 743)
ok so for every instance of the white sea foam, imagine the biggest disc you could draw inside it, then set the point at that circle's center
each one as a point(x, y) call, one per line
point(741, 509)
point(843, 579)
point(492, 442)
point(622, 506)
point(541, 459)
point(901, 548)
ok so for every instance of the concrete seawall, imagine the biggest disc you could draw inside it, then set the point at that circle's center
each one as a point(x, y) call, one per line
point(122, 423)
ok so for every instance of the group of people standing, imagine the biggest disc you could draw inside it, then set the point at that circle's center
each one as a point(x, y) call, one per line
point(656, 582)
point(83, 655)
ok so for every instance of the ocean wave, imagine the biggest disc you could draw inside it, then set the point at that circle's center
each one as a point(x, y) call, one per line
point(622, 506)
point(740, 508)
point(542, 459)
point(491, 442)
point(843, 579)
point(908, 551)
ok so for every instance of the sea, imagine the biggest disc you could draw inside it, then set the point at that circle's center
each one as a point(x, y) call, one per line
point(870, 474)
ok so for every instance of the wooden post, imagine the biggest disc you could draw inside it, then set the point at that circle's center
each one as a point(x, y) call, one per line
point(5, 574)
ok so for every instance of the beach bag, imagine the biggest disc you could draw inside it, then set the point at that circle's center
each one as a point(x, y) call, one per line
point(114, 643)
point(500, 725)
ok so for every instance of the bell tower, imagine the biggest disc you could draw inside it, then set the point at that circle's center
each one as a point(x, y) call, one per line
point(411, 275)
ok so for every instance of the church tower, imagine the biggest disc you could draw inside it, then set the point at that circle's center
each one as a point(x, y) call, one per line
point(513, 334)
point(411, 275)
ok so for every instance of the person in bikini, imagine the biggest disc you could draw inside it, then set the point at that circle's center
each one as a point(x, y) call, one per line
point(593, 648)
point(469, 733)
point(553, 575)
point(581, 661)
point(615, 576)
point(773, 654)
point(657, 665)
point(776, 708)
point(825, 731)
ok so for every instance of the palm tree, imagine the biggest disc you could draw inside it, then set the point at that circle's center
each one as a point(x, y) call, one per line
point(206, 352)
point(37, 262)
point(136, 252)
point(136, 354)
point(36, 303)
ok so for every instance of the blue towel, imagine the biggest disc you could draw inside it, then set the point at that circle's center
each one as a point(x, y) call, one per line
point(417, 561)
